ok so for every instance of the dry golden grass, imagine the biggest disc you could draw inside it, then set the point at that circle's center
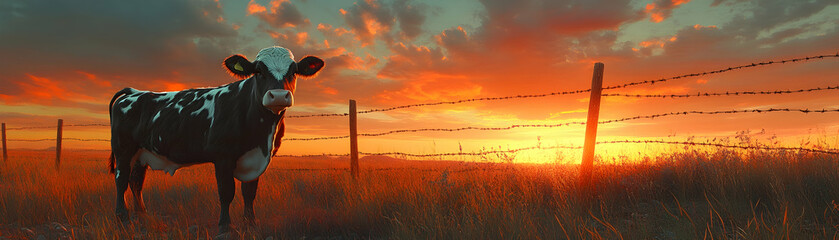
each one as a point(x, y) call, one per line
point(688, 194)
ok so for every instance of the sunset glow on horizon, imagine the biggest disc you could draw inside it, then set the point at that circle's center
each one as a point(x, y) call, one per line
point(66, 60)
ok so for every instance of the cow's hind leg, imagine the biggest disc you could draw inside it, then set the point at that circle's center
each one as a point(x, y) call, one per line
point(249, 194)
point(122, 173)
point(138, 176)
point(226, 192)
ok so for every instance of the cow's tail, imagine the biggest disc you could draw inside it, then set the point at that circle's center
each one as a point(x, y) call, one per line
point(124, 91)
point(111, 163)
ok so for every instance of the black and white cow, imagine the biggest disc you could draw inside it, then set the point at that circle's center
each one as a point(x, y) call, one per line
point(237, 127)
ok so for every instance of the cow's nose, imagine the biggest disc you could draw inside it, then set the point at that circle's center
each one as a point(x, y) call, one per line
point(286, 96)
point(277, 99)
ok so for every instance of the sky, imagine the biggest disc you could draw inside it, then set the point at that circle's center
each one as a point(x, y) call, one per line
point(66, 59)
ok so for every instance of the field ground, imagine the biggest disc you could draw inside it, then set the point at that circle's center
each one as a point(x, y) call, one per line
point(689, 194)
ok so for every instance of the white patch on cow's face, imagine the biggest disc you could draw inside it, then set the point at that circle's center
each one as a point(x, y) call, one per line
point(277, 59)
point(253, 163)
point(210, 102)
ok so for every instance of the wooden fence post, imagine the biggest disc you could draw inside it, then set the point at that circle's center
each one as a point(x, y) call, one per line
point(353, 140)
point(5, 155)
point(58, 144)
point(591, 129)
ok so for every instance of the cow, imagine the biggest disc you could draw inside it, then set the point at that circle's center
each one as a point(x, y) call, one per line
point(237, 127)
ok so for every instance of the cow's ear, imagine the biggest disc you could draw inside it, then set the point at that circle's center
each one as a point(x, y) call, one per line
point(239, 66)
point(309, 66)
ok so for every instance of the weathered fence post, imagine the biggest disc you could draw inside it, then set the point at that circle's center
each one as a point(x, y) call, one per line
point(353, 140)
point(58, 144)
point(591, 129)
point(5, 155)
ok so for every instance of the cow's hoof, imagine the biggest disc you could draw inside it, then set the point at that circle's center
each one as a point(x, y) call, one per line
point(122, 215)
point(227, 233)
point(226, 229)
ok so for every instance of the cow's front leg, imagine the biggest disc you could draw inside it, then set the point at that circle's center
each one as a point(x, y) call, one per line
point(249, 194)
point(226, 192)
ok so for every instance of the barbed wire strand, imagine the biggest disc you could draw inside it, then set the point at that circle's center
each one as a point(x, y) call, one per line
point(446, 102)
point(747, 147)
point(30, 140)
point(63, 139)
point(817, 57)
point(482, 153)
point(706, 94)
point(834, 152)
point(567, 123)
point(314, 155)
point(436, 170)
point(66, 125)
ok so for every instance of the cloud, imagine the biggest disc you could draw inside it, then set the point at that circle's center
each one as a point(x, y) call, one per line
point(35, 89)
point(367, 19)
point(663, 9)
point(770, 14)
point(281, 14)
point(371, 19)
point(763, 28)
point(338, 36)
point(410, 17)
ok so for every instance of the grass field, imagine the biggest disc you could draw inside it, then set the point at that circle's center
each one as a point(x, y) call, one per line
point(688, 194)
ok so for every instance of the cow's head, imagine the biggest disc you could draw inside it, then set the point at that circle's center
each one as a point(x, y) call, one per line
point(275, 73)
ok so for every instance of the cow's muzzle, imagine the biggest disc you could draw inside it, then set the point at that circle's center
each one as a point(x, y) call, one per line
point(277, 100)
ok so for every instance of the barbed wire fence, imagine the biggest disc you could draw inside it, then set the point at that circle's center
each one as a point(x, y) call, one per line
point(549, 94)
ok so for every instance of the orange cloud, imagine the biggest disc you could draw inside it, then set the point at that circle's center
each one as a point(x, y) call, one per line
point(647, 47)
point(254, 8)
point(649, 43)
point(172, 86)
point(43, 90)
point(655, 17)
point(662, 9)
point(281, 14)
point(94, 79)
point(697, 26)
point(368, 20)
point(432, 86)
point(301, 38)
